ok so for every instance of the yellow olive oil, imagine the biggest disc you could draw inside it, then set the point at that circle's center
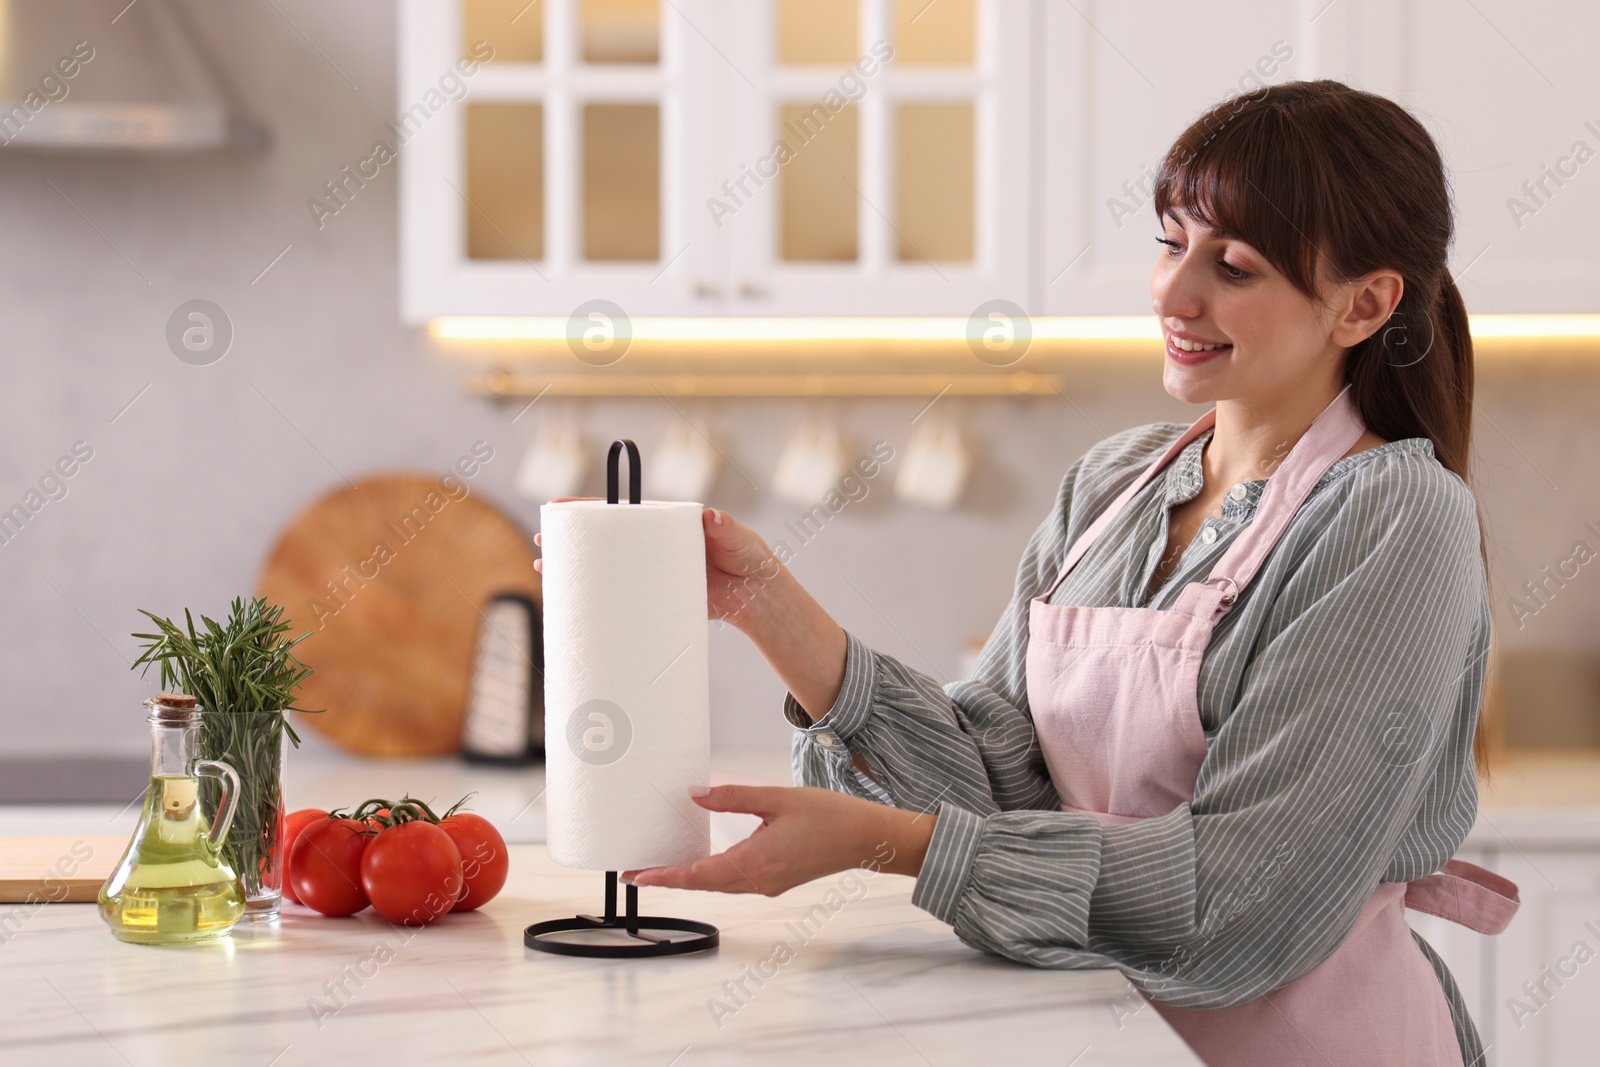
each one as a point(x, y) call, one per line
point(170, 886)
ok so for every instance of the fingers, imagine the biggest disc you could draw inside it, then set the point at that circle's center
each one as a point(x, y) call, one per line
point(715, 873)
point(720, 524)
point(762, 800)
point(737, 549)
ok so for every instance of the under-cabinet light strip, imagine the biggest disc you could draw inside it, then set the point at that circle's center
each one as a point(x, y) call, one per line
point(790, 329)
point(1534, 325)
point(1052, 328)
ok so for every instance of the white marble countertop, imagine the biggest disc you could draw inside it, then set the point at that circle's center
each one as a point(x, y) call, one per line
point(876, 981)
point(882, 982)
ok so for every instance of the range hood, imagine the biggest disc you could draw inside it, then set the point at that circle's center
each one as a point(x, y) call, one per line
point(110, 75)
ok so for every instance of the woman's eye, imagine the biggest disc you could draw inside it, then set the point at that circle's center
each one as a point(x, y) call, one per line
point(1229, 271)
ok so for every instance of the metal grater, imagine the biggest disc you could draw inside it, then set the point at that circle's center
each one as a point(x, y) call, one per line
point(505, 704)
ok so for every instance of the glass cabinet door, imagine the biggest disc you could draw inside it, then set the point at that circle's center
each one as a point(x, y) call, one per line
point(869, 171)
point(554, 176)
point(705, 157)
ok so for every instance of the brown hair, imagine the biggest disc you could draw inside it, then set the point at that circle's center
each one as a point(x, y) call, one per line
point(1315, 174)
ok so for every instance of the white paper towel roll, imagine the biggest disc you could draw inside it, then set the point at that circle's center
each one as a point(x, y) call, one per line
point(627, 686)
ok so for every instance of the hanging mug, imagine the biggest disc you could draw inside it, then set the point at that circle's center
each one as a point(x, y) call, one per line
point(554, 464)
point(934, 471)
point(812, 462)
point(685, 463)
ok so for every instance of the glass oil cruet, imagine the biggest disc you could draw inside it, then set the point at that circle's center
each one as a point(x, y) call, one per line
point(171, 886)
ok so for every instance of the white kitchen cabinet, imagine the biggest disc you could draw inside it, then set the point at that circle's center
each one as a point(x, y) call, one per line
point(1121, 82)
point(1006, 151)
point(913, 200)
point(1509, 91)
point(561, 176)
point(1505, 105)
point(624, 151)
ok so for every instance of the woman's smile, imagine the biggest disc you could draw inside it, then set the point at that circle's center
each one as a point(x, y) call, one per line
point(1190, 350)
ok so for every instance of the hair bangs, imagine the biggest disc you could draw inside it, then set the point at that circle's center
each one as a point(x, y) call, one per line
point(1248, 173)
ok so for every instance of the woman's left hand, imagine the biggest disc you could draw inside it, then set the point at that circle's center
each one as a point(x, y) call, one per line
point(805, 833)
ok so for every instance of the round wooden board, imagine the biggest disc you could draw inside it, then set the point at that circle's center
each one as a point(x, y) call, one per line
point(390, 578)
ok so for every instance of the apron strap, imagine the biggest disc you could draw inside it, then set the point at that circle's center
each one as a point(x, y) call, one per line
point(1329, 437)
point(1467, 894)
point(1096, 528)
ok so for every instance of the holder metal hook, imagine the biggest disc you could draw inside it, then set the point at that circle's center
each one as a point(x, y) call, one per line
point(635, 476)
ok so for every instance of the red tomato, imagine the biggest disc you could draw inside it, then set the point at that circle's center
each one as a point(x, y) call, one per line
point(325, 866)
point(290, 829)
point(372, 820)
point(412, 873)
point(484, 862)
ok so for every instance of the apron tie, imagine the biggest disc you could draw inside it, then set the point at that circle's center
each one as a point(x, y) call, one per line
point(1466, 893)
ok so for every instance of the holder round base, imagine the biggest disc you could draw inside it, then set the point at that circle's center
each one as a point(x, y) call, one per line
point(645, 943)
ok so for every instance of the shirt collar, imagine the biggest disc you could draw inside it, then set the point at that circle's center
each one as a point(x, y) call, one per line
point(1186, 473)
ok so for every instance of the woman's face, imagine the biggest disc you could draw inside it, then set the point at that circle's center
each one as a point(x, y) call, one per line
point(1213, 289)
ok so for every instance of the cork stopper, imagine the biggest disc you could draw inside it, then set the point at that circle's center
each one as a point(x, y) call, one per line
point(172, 708)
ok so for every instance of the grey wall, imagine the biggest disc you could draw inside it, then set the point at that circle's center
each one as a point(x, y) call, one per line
point(189, 486)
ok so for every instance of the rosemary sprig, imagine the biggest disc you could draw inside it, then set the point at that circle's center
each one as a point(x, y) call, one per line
point(245, 665)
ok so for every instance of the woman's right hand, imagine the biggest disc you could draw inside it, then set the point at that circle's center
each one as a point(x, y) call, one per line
point(739, 568)
point(747, 586)
point(739, 565)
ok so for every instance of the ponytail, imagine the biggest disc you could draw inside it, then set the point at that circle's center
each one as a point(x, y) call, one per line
point(1414, 378)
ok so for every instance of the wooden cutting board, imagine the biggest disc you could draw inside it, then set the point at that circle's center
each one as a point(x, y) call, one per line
point(58, 870)
point(390, 575)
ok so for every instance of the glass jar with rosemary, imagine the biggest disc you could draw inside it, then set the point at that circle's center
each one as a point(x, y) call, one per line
point(243, 673)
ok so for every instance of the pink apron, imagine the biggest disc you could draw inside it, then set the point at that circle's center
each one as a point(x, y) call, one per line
point(1114, 694)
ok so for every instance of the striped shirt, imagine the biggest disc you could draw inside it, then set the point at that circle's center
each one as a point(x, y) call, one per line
point(1338, 699)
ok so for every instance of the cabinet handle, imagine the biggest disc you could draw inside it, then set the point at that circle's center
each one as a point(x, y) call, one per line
point(707, 291)
point(752, 291)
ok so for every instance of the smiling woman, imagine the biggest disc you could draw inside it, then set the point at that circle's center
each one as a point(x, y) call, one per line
point(1222, 736)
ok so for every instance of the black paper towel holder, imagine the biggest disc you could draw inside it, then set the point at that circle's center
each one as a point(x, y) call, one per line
point(636, 926)
point(644, 943)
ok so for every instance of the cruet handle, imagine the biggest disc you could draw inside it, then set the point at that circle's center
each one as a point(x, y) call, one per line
point(213, 768)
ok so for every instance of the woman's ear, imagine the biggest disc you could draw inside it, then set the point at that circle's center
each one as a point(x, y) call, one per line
point(1369, 301)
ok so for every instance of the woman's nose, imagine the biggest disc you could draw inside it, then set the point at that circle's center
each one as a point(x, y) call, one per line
point(1173, 290)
